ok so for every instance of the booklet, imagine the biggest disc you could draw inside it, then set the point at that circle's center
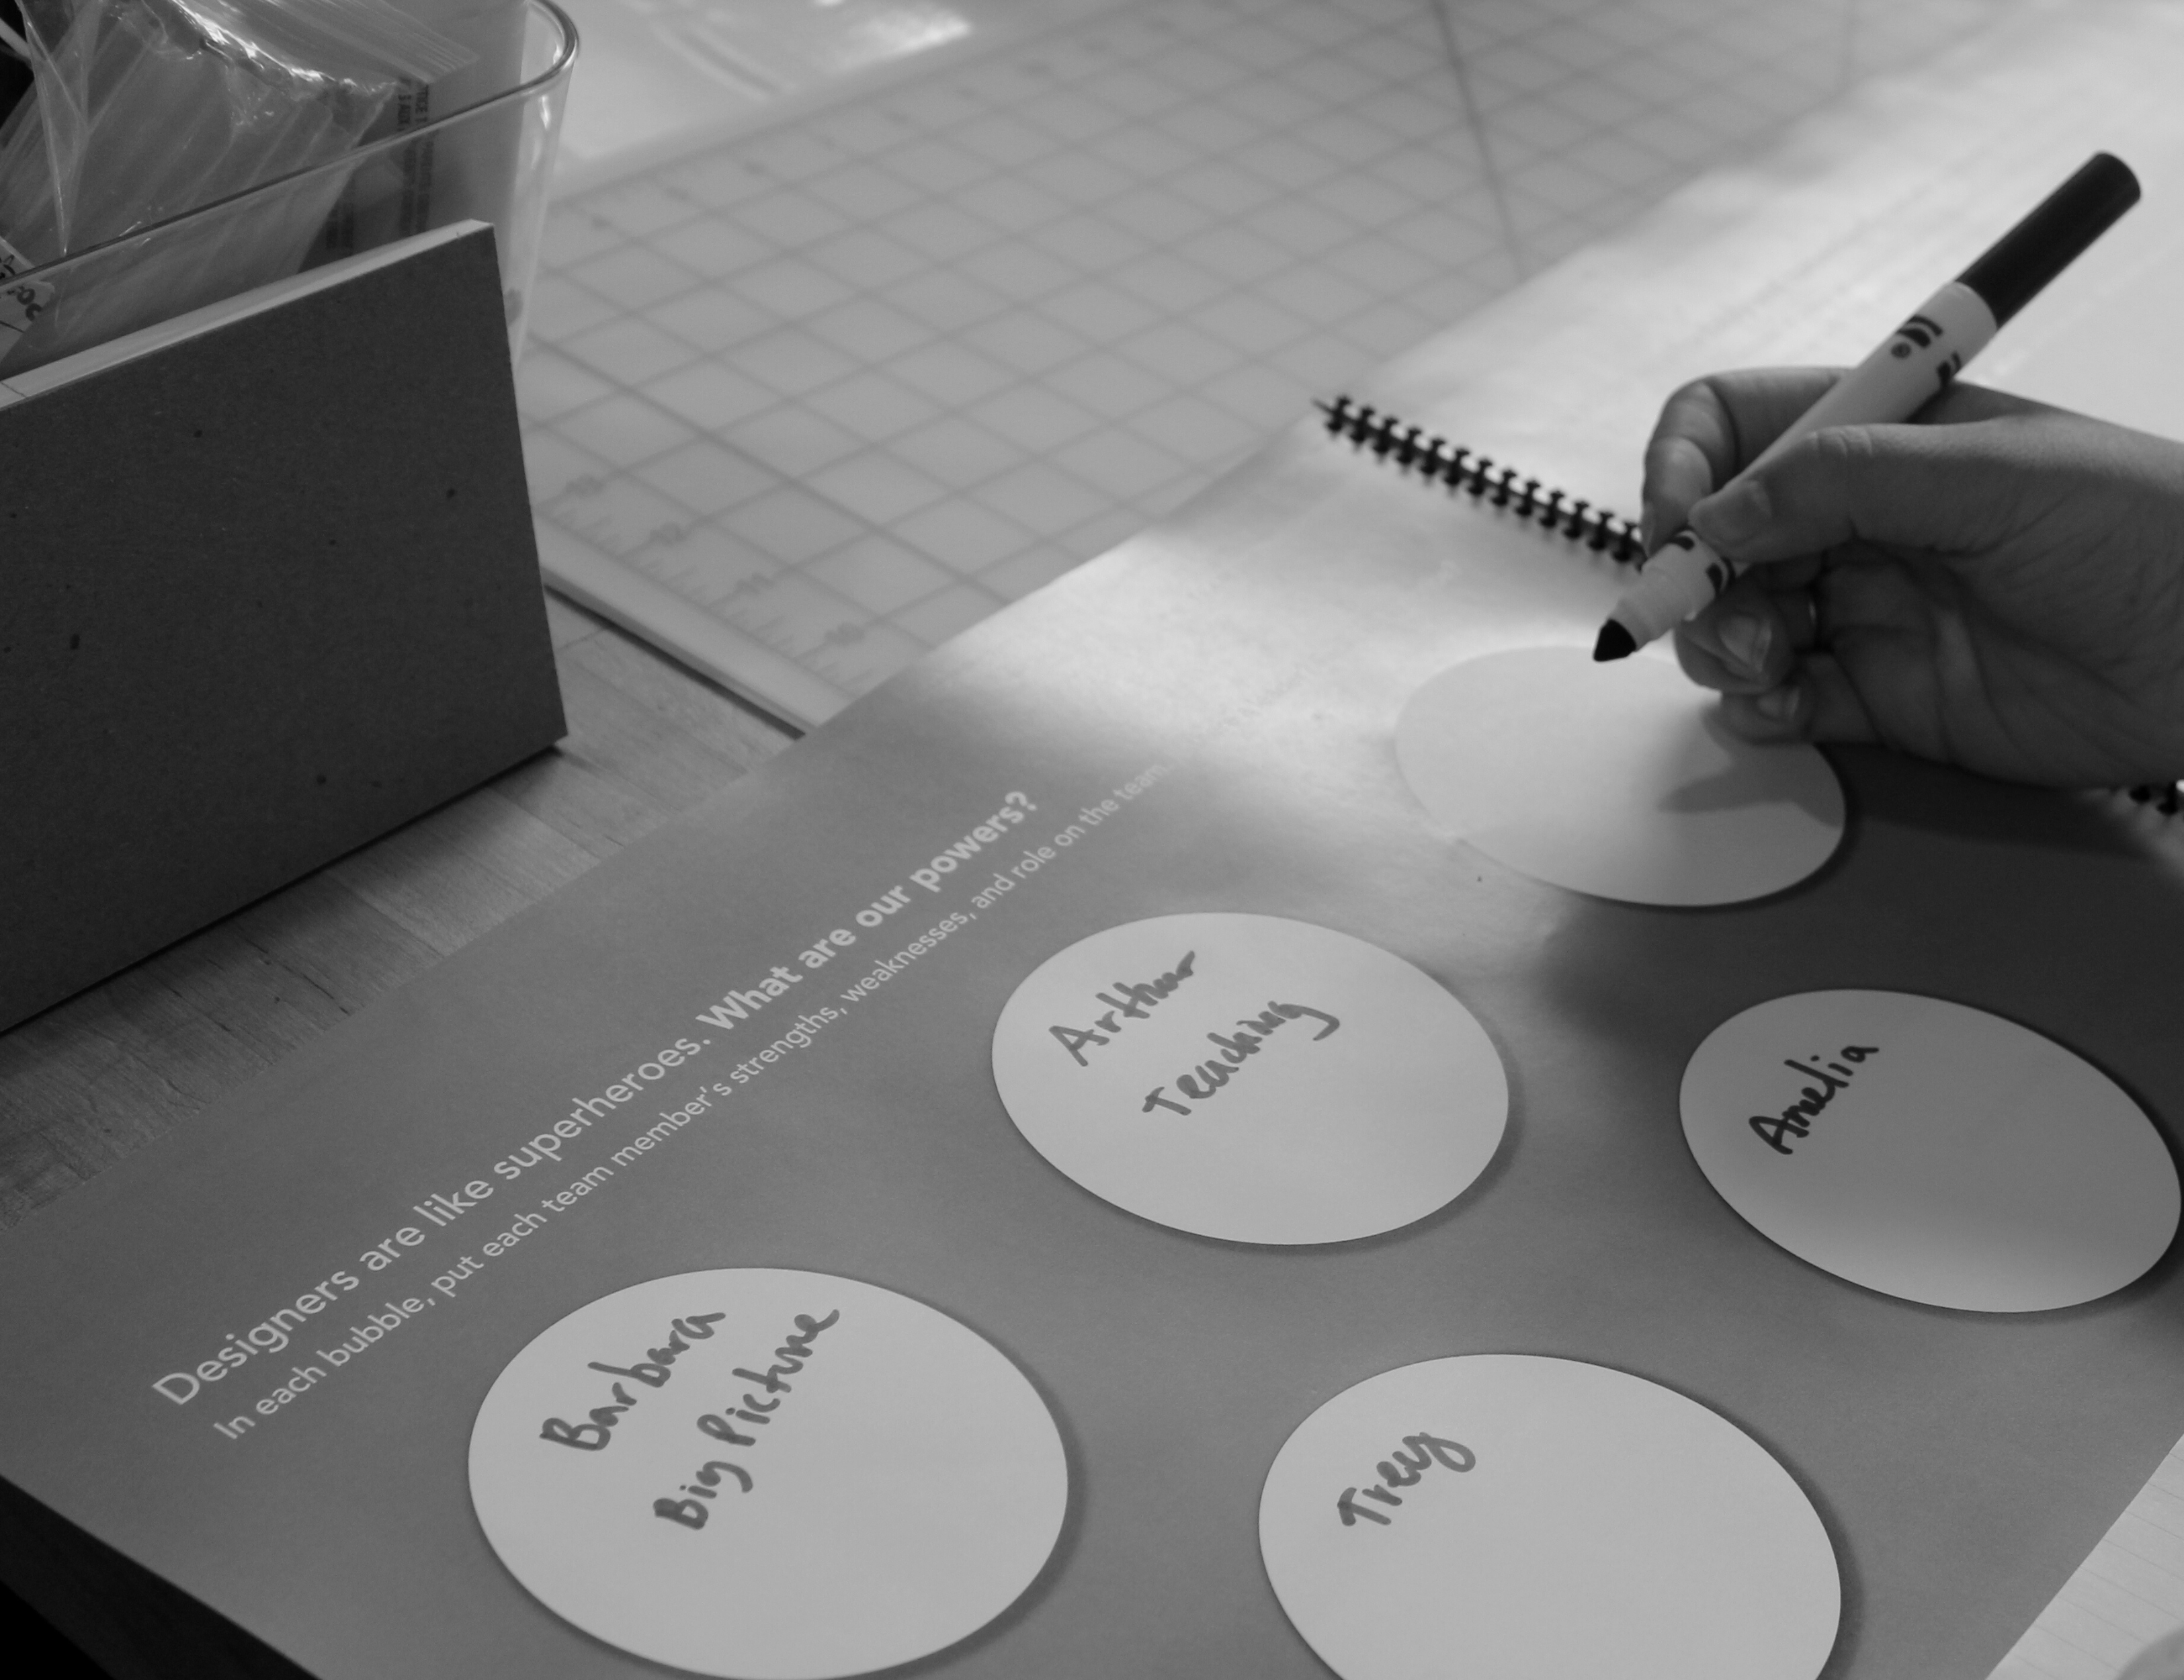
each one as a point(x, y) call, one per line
point(995, 1127)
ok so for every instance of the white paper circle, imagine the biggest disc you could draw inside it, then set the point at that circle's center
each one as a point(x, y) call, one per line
point(1947, 1156)
point(1558, 1520)
point(1292, 1085)
point(908, 1486)
point(1617, 779)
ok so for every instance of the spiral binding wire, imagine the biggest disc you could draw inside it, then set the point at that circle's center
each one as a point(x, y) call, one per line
point(1436, 459)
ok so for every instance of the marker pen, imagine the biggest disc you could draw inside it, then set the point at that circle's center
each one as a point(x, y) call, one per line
point(1916, 363)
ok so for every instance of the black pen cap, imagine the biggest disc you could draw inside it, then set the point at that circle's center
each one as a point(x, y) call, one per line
point(2048, 241)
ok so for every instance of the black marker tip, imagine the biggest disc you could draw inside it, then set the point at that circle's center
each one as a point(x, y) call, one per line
point(1615, 643)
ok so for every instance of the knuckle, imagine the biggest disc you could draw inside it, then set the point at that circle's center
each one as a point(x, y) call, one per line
point(1843, 450)
point(1842, 463)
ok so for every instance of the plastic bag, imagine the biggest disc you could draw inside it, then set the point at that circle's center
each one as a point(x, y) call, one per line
point(146, 108)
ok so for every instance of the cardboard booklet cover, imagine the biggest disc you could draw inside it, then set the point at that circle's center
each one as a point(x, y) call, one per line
point(270, 590)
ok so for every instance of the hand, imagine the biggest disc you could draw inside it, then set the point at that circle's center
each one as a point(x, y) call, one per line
point(1999, 587)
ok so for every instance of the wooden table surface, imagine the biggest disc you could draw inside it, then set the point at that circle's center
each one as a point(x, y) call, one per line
point(111, 1068)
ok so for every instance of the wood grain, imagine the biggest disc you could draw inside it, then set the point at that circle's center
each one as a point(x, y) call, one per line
point(114, 1067)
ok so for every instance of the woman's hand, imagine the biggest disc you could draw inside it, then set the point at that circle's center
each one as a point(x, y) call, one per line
point(1999, 587)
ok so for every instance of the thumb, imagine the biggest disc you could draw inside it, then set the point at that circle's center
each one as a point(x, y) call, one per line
point(1943, 488)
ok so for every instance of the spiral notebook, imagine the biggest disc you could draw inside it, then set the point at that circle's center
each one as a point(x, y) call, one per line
point(1435, 460)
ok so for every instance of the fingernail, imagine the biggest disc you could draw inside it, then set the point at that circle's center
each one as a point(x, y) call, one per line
point(1736, 515)
point(1745, 638)
point(1779, 704)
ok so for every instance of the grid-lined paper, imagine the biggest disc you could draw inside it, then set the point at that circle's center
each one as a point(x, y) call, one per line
point(802, 405)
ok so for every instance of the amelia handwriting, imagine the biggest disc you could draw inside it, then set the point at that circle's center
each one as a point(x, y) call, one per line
point(1795, 1121)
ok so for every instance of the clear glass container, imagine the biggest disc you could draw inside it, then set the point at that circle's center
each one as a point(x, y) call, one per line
point(492, 160)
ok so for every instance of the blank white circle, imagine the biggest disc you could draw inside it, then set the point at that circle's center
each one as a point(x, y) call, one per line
point(1287, 1084)
point(1616, 779)
point(1930, 1151)
point(907, 1485)
point(1549, 1520)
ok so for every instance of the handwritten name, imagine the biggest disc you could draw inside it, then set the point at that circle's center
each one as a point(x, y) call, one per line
point(1797, 1120)
point(788, 1359)
point(1207, 1079)
point(1402, 1470)
point(1135, 1004)
point(652, 1372)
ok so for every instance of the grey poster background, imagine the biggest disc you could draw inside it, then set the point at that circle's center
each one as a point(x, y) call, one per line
point(1262, 646)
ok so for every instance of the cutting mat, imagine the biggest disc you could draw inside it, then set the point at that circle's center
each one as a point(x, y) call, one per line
point(805, 401)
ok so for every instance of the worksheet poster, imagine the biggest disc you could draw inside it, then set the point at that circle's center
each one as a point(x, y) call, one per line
point(678, 1229)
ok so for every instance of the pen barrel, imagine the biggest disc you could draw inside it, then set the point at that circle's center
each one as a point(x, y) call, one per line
point(1681, 579)
point(1912, 366)
point(1915, 364)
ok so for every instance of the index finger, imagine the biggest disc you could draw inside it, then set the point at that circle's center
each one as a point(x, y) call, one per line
point(1711, 429)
